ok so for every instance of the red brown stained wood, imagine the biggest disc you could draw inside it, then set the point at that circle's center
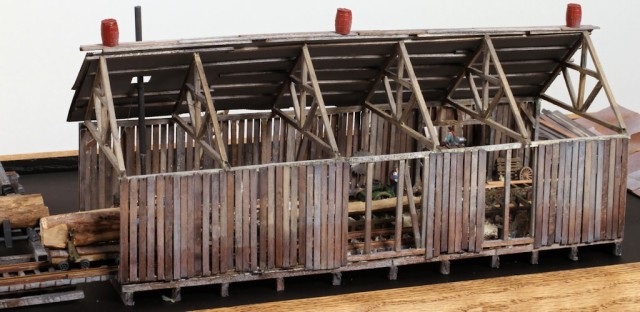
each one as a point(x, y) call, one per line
point(587, 206)
point(123, 275)
point(567, 192)
point(459, 199)
point(101, 180)
point(151, 228)
point(331, 217)
point(415, 223)
point(446, 182)
point(474, 222)
point(197, 222)
point(349, 134)
point(246, 209)
point(234, 143)
point(539, 196)
point(324, 226)
point(553, 195)
point(93, 183)
point(171, 148)
point(616, 189)
point(253, 178)
point(168, 229)
point(142, 229)
point(600, 186)
point(482, 176)
point(344, 217)
point(573, 201)
point(257, 127)
point(155, 155)
point(279, 211)
point(216, 221)
point(339, 215)
point(230, 219)
point(177, 209)
point(310, 204)
point(293, 215)
point(437, 227)
point(580, 181)
point(593, 192)
point(285, 214)
point(205, 235)
point(148, 151)
point(548, 157)
point(163, 147)
point(399, 196)
point(133, 230)
point(451, 218)
point(185, 238)
point(237, 240)
point(317, 199)
point(180, 149)
point(368, 205)
point(507, 196)
point(302, 216)
point(83, 174)
point(264, 200)
point(611, 188)
point(271, 218)
point(466, 195)
point(624, 155)
point(560, 192)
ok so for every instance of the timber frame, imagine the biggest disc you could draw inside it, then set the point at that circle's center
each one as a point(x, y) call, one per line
point(297, 182)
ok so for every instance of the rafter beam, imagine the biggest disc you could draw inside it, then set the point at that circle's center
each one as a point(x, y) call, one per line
point(391, 119)
point(497, 126)
point(206, 147)
point(306, 133)
point(585, 115)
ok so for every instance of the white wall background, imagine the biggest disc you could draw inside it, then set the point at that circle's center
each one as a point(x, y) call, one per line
point(39, 41)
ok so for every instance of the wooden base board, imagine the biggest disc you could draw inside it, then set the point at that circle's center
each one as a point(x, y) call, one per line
point(38, 299)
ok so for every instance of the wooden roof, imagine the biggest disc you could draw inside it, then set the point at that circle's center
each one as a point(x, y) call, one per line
point(248, 72)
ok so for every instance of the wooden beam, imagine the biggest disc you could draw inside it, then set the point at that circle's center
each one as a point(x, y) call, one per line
point(306, 133)
point(592, 96)
point(411, 132)
point(494, 103)
point(569, 84)
point(474, 91)
point(397, 79)
point(585, 115)
point(583, 78)
point(585, 71)
point(418, 94)
point(213, 115)
point(319, 100)
point(296, 103)
point(95, 133)
point(387, 89)
point(483, 76)
point(408, 109)
point(206, 147)
point(115, 135)
point(486, 121)
point(507, 90)
point(283, 88)
point(605, 83)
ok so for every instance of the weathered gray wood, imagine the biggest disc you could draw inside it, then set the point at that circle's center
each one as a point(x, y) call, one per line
point(446, 180)
point(41, 299)
point(367, 214)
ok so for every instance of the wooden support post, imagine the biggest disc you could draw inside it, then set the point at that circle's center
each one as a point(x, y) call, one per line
point(224, 290)
point(617, 249)
point(573, 254)
point(534, 257)
point(336, 279)
point(176, 294)
point(445, 267)
point(495, 262)
point(393, 272)
point(280, 284)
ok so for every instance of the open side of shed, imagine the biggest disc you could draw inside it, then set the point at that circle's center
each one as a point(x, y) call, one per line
point(293, 154)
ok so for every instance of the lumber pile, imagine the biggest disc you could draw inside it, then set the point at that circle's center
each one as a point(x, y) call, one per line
point(381, 204)
point(556, 125)
point(89, 227)
point(23, 211)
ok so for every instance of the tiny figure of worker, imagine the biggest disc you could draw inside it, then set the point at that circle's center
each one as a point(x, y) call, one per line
point(393, 179)
point(450, 139)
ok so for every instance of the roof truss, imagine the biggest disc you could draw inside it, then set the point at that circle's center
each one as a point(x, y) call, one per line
point(104, 130)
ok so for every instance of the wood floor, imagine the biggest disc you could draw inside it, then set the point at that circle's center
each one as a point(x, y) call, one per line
point(606, 288)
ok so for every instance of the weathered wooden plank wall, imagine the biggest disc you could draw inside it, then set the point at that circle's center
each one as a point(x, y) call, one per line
point(579, 191)
point(205, 223)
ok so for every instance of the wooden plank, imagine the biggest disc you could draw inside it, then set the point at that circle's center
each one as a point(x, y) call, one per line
point(253, 216)
point(205, 234)
point(331, 216)
point(302, 216)
point(566, 209)
point(279, 211)
point(593, 190)
point(185, 238)
point(616, 188)
point(560, 195)
point(151, 229)
point(310, 214)
point(466, 197)
point(265, 147)
point(224, 225)
point(599, 191)
point(285, 214)
point(611, 187)
point(553, 195)
point(171, 147)
point(293, 215)
point(237, 220)
point(574, 192)
point(160, 219)
point(231, 191)
point(180, 150)
point(482, 177)
point(474, 222)
point(344, 217)
point(399, 206)
point(324, 214)
point(587, 207)
point(368, 206)
point(507, 196)
point(341, 204)
point(197, 221)
point(317, 203)
point(142, 229)
point(133, 229)
point(216, 222)
point(548, 157)
point(177, 227)
point(245, 246)
point(271, 217)
point(580, 195)
point(168, 229)
point(453, 186)
point(437, 227)
point(415, 223)
point(123, 273)
point(624, 162)
point(459, 205)
point(446, 181)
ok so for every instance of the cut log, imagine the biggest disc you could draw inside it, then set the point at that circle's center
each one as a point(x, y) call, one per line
point(22, 211)
point(89, 227)
point(387, 203)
